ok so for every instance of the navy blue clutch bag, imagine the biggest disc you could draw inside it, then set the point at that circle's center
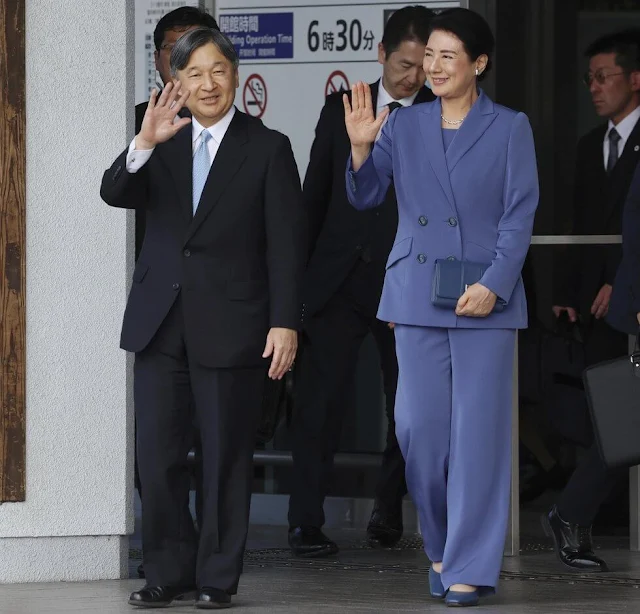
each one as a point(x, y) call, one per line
point(451, 279)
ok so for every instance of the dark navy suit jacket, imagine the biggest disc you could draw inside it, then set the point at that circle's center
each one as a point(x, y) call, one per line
point(625, 299)
point(236, 264)
point(339, 235)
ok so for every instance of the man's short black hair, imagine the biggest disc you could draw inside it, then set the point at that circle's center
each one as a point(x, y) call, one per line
point(625, 44)
point(410, 23)
point(182, 18)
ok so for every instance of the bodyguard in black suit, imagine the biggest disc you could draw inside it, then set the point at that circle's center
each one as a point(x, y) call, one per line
point(214, 294)
point(607, 159)
point(341, 290)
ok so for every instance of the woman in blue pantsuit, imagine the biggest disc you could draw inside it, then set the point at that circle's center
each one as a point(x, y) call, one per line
point(464, 171)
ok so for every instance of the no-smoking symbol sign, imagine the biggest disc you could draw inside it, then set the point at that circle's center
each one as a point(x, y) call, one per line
point(254, 96)
point(337, 82)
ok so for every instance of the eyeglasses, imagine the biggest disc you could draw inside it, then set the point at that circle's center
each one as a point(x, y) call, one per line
point(599, 77)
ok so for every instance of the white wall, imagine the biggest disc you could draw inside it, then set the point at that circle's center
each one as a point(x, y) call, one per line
point(79, 423)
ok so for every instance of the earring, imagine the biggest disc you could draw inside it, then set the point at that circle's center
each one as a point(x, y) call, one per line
point(477, 73)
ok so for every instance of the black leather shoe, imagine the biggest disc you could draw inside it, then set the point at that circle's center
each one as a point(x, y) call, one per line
point(141, 571)
point(161, 596)
point(385, 528)
point(310, 542)
point(572, 543)
point(213, 599)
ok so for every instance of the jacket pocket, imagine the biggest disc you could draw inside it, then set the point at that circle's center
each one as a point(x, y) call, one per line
point(246, 290)
point(399, 251)
point(139, 272)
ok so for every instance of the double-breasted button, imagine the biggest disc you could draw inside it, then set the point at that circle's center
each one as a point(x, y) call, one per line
point(422, 258)
point(422, 220)
point(176, 286)
point(187, 253)
point(453, 221)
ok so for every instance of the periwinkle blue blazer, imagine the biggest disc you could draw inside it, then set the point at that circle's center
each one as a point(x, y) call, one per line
point(475, 202)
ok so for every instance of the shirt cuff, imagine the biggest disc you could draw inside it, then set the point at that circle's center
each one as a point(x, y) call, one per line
point(137, 158)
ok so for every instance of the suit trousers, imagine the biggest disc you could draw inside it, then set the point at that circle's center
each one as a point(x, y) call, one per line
point(197, 475)
point(168, 387)
point(453, 421)
point(324, 380)
point(592, 481)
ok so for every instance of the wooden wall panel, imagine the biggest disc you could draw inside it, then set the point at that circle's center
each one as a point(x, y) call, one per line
point(12, 250)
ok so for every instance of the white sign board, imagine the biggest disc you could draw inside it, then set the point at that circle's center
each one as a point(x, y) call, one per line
point(295, 52)
point(147, 15)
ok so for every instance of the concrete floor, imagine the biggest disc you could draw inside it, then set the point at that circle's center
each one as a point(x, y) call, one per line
point(378, 582)
point(360, 579)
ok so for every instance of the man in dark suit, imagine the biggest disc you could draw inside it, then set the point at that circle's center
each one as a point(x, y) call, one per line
point(214, 294)
point(607, 158)
point(341, 290)
point(167, 31)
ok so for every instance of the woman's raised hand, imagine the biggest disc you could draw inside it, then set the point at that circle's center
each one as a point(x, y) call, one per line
point(362, 125)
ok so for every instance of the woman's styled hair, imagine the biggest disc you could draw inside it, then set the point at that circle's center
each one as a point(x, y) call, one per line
point(472, 29)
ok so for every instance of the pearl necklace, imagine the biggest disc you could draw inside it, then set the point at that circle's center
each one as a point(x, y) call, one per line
point(453, 122)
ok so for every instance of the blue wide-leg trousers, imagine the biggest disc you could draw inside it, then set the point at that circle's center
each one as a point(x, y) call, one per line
point(453, 423)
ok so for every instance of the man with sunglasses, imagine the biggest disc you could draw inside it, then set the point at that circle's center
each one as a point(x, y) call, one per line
point(606, 160)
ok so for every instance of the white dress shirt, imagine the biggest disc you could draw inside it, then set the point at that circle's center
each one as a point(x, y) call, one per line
point(384, 98)
point(137, 158)
point(624, 129)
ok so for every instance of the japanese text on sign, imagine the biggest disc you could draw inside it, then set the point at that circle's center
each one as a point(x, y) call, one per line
point(239, 23)
point(260, 36)
point(345, 35)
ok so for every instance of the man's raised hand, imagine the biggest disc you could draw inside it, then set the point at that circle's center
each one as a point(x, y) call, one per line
point(159, 123)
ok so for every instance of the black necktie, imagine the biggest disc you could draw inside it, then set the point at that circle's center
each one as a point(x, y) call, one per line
point(614, 139)
point(393, 106)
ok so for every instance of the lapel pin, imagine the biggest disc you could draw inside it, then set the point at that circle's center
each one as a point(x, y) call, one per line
point(636, 148)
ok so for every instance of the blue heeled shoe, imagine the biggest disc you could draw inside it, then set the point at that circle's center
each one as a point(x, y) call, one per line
point(456, 599)
point(436, 589)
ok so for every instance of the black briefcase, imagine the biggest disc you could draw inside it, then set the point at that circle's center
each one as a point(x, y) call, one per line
point(613, 395)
